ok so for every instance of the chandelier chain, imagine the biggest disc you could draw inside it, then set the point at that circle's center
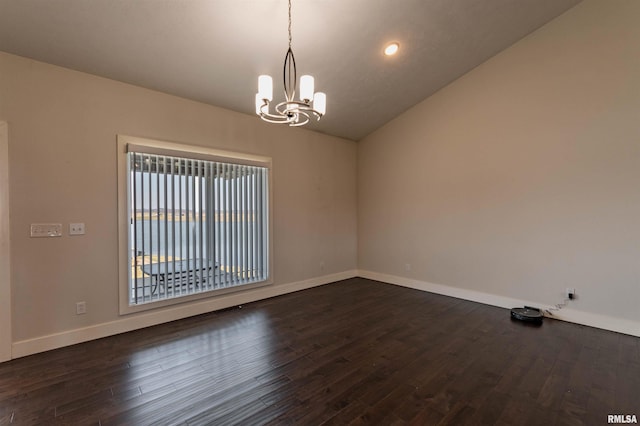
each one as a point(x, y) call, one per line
point(289, 24)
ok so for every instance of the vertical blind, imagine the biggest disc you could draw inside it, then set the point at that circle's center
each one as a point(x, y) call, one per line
point(196, 225)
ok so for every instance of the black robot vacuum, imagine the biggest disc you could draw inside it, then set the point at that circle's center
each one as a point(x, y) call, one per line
point(527, 314)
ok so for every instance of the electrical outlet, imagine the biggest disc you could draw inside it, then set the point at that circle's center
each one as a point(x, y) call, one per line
point(407, 267)
point(322, 266)
point(76, 229)
point(571, 293)
point(81, 308)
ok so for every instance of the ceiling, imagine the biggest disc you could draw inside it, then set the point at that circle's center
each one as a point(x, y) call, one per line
point(213, 50)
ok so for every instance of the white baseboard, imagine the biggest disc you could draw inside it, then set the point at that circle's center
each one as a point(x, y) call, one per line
point(150, 318)
point(604, 322)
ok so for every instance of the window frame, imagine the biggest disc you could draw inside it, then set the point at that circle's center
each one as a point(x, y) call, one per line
point(190, 151)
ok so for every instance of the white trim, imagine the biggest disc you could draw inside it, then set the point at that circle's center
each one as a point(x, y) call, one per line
point(604, 322)
point(171, 148)
point(137, 144)
point(5, 249)
point(150, 318)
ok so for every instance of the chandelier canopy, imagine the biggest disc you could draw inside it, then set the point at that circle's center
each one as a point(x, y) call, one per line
point(290, 111)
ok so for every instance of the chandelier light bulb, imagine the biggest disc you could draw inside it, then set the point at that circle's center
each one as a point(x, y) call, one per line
point(306, 88)
point(320, 103)
point(265, 87)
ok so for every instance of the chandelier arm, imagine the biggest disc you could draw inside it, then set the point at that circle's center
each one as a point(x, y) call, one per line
point(297, 107)
point(297, 116)
point(272, 118)
point(298, 122)
point(281, 120)
point(307, 109)
point(293, 106)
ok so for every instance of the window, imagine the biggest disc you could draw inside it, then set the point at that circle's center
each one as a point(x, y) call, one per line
point(197, 221)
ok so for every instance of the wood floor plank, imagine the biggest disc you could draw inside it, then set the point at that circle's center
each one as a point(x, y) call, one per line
point(353, 352)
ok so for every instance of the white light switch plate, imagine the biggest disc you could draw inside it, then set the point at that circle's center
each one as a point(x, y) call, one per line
point(45, 230)
point(76, 229)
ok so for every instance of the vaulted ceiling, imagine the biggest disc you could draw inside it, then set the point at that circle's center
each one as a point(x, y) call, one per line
point(213, 50)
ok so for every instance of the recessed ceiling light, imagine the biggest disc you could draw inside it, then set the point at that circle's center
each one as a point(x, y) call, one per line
point(391, 49)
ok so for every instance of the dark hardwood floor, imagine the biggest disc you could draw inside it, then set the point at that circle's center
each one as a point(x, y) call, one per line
point(353, 352)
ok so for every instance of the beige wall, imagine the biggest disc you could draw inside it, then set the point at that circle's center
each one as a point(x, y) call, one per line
point(62, 152)
point(516, 181)
point(522, 177)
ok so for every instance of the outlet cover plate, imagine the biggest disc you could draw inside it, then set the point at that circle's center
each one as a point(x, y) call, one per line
point(46, 230)
point(76, 229)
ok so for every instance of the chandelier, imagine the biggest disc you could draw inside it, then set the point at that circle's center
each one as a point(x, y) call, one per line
point(290, 111)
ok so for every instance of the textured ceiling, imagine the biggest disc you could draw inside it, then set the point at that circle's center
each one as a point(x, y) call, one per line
point(213, 50)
